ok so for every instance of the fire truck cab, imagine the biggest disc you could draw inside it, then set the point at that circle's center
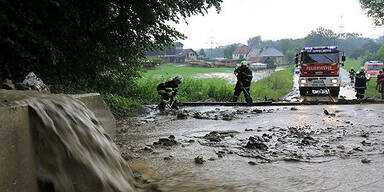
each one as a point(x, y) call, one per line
point(320, 68)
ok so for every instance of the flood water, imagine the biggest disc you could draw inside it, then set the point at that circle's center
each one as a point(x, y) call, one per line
point(293, 149)
point(73, 152)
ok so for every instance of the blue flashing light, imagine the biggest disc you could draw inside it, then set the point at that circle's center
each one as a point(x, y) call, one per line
point(307, 48)
point(332, 47)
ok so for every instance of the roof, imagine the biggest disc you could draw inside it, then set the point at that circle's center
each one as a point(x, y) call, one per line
point(242, 50)
point(271, 52)
point(178, 44)
point(187, 51)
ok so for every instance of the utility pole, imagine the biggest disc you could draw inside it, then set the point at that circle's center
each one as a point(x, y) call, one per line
point(211, 43)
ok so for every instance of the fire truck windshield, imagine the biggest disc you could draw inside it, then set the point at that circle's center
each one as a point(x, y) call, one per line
point(374, 67)
point(321, 58)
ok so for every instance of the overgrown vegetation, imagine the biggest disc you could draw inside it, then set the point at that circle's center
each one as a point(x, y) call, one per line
point(192, 89)
point(88, 46)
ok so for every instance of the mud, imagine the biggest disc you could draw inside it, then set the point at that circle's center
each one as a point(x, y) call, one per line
point(311, 148)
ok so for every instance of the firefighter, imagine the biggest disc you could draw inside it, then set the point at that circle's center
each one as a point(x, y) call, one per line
point(168, 92)
point(352, 75)
point(244, 79)
point(360, 84)
point(380, 83)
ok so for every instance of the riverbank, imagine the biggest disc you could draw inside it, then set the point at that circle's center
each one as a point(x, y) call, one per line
point(193, 89)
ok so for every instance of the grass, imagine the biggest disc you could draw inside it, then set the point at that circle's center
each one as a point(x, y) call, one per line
point(275, 86)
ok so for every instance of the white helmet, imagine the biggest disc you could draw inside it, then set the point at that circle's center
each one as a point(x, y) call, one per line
point(244, 63)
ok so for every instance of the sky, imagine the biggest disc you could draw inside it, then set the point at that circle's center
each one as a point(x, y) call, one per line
point(240, 20)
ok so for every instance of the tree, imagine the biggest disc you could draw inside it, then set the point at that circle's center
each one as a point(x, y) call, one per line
point(374, 10)
point(229, 50)
point(321, 37)
point(202, 52)
point(98, 47)
point(254, 41)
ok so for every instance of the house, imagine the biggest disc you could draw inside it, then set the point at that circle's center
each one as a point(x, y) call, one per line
point(188, 54)
point(241, 52)
point(261, 55)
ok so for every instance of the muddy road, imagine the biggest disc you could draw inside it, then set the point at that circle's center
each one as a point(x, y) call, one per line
point(303, 148)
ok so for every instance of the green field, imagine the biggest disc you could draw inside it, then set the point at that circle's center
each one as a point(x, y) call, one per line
point(275, 86)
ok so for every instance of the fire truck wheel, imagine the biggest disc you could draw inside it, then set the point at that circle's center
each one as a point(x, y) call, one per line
point(303, 91)
point(334, 92)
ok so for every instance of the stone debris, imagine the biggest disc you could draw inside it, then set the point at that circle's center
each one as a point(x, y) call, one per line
point(170, 141)
point(294, 109)
point(257, 111)
point(252, 163)
point(217, 136)
point(365, 160)
point(35, 83)
point(7, 84)
point(248, 130)
point(256, 142)
point(182, 115)
point(148, 149)
point(199, 160)
point(326, 112)
point(168, 158)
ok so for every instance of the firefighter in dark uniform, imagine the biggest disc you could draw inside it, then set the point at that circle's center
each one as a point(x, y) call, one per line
point(360, 84)
point(168, 92)
point(244, 79)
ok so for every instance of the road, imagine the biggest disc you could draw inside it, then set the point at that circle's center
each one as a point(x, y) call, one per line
point(304, 148)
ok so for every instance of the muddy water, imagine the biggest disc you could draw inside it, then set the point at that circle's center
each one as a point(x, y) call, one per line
point(305, 148)
point(257, 75)
point(73, 151)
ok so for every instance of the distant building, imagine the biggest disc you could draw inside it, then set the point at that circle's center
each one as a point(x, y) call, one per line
point(176, 54)
point(262, 55)
point(241, 52)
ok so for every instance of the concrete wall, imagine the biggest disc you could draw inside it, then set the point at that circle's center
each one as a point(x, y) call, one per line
point(17, 166)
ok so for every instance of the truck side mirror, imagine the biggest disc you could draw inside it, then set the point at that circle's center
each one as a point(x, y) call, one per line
point(343, 58)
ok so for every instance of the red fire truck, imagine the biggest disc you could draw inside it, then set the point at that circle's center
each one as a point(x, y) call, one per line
point(320, 68)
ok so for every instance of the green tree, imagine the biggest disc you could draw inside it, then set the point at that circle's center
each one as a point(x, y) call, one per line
point(202, 52)
point(321, 37)
point(229, 50)
point(254, 41)
point(96, 45)
point(374, 10)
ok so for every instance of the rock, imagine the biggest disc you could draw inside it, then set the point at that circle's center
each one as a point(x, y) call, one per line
point(358, 149)
point(199, 160)
point(252, 163)
point(228, 117)
point(182, 115)
point(172, 137)
point(365, 143)
point(328, 113)
point(7, 84)
point(256, 143)
point(35, 83)
point(248, 130)
point(294, 109)
point(168, 158)
point(365, 160)
point(211, 159)
point(257, 111)
point(166, 141)
point(364, 134)
point(308, 140)
point(148, 149)
point(198, 115)
point(191, 141)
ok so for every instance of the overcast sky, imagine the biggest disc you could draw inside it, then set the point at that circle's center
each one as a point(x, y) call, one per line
point(274, 19)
